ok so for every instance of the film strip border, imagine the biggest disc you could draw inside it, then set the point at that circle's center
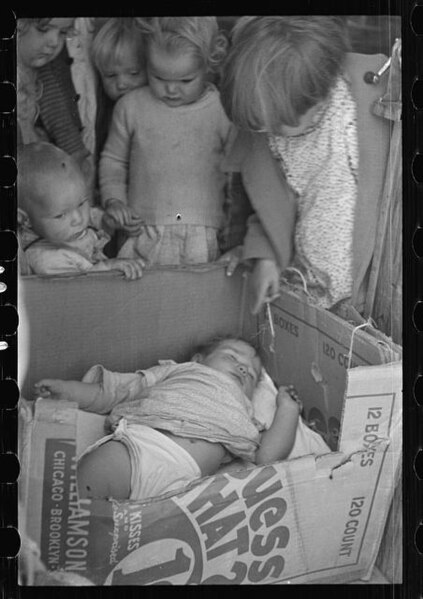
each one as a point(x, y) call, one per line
point(9, 393)
point(412, 37)
point(413, 296)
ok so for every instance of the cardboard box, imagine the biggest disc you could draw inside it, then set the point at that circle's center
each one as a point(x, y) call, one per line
point(306, 520)
point(312, 350)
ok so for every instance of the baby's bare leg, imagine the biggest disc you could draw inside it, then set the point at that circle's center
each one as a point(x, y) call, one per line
point(105, 472)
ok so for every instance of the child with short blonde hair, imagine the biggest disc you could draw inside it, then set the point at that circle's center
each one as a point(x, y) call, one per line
point(309, 176)
point(118, 53)
point(58, 229)
point(162, 159)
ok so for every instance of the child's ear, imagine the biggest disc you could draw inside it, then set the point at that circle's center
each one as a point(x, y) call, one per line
point(23, 218)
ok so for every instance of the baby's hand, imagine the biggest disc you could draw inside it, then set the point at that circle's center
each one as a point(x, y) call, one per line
point(53, 389)
point(285, 399)
point(123, 217)
point(131, 268)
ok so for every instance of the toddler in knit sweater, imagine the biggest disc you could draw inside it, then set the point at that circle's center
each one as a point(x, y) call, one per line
point(162, 159)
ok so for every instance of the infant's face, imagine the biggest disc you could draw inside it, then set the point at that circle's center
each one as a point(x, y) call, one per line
point(238, 360)
point(63, 214)
point(122, 76)
point(175, 79)
point(41, 43)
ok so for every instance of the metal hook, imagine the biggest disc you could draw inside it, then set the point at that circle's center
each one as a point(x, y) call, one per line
point(374, 78)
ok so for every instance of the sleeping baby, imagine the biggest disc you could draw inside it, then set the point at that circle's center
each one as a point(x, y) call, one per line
point(174, 423)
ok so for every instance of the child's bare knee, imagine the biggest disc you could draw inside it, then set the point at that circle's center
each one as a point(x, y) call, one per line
point(105, 472)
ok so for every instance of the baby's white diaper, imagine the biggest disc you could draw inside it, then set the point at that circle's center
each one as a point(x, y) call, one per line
point(158, 464)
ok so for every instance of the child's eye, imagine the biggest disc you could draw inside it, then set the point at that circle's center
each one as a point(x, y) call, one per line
point(187, 80)
point(58, 216)
point(68, 32)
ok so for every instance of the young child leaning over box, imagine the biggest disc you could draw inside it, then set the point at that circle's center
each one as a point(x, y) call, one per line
point(58, 229)
point(174, 423)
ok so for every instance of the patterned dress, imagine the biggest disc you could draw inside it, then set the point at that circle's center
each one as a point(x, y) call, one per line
point(321, 165)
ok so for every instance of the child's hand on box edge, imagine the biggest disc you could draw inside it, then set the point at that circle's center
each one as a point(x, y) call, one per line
point(52, 389)
point(131, 268)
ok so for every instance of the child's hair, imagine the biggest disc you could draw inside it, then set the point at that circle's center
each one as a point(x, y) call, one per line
point(209, 346)
point(23, 24)
point(29, 89)
point(279, 67)
point(114, 37)
point(38, 162)
point(199, 35)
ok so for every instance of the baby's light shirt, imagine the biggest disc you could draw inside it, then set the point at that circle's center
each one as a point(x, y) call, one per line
point(189, 399)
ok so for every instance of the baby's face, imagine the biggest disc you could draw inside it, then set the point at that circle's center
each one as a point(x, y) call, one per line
point(175, 79)
point(122, 76)
point(63, 213)
point(41, 43)
point(238, 360)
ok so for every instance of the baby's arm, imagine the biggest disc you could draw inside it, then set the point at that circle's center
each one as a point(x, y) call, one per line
point(85, 394)
point(65, 260)
point(99, 391)
point(278, 441)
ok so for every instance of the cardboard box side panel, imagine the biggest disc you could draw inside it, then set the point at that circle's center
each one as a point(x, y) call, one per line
point(379, 394)
point(311, 350)
point(389, 559)
point(75, 322)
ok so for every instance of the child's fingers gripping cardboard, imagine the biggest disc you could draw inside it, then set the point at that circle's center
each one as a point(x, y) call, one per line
point(132, 269)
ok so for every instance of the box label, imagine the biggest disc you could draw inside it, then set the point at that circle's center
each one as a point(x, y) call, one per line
point(230, 530)
point(64, 534)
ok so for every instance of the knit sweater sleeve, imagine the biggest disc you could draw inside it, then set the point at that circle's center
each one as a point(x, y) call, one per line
point(114, 160)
